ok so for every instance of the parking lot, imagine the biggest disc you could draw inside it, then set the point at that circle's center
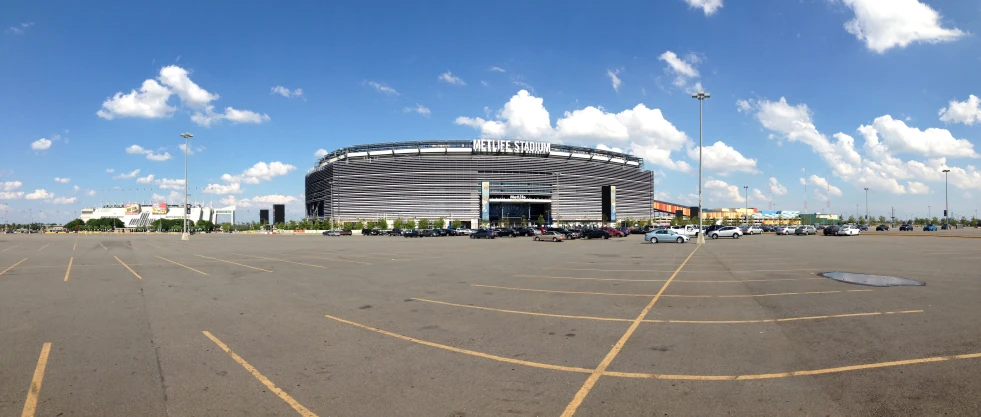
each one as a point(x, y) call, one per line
point(106, 325)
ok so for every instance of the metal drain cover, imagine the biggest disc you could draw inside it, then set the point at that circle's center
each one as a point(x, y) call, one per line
point(872, 280)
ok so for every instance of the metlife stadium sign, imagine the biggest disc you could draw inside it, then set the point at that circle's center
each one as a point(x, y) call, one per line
point(511, 146)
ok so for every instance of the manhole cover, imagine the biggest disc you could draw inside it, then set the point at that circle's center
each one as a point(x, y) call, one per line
point(872, 280)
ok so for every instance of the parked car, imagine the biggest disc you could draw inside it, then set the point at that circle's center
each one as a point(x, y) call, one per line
point(595, 234)
point(665, 235)
point(906, 227)
point(346, 232)
point(615, 233)
point(727, 231)
point(689, 229)
point(863, 227)
point(882, 228)
point(395, 232)
point(946, 226)
point(550, 235)
point(849, 231)
point(412, 233)
point(831, 230)
point(507, 232)
point(805, 230)
point(483, 234)
point(930, 228)
point(754, 230)
point(332, 233)
point(786, 230)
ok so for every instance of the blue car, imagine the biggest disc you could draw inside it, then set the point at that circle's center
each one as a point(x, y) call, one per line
point(930, 228)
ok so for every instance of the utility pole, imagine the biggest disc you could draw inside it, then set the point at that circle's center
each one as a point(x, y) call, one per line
point(867, 206)
point(701, 96)
point(946, 202)
point(746, 187)
point(187, 136)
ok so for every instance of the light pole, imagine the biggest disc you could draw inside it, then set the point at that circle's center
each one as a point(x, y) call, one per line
point(928, 214)
point(946, 202)
point(746, 187)
point(701, 96)
point(187, 137)
point(867, 206)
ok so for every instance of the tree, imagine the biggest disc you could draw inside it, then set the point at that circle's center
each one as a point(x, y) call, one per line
point(409, 224)
point(370, 224)
point(935, 220)
point(226, 227)
point(524, 221)
point(456, 224)
point(72, 225)
point(882, 219)
point(423, 223)
point(541, 220)
point(358, 225)
point(383, 224)
point(851, 219)
point(399, 223)
point(439, 223)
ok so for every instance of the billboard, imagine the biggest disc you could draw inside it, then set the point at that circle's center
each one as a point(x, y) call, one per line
point(132, 208)
point(613, 203)
point(160, 208)
point(609, 201)
point(485, 201)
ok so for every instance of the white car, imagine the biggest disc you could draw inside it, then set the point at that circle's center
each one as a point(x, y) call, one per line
point(754, 230)
point(849, 231)
point(786, 230)
point(463, 232)
point(688, 230)
point(665, 235)
point(727, 231)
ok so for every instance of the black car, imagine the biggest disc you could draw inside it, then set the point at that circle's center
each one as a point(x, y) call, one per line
point(595, 234)
point(831, 230)
point(507, 232)
point(483, 234)
point(412, 233)
point(882, 228)
point(906, 228)
point(569, 234)
point(395, 232)
point(525, 231)
point(448, 232)
point(946, 226)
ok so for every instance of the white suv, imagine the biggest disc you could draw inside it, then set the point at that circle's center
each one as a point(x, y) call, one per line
point(727, 231)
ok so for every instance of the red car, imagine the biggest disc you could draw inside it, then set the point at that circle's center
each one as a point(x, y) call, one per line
point(614, 232)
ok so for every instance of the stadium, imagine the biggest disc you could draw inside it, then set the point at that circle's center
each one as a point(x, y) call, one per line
point(475, 182)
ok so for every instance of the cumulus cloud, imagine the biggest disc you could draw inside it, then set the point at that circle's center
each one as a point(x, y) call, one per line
point(743, 106)
point(222, 189)
point(776, 188)
point(723, 159)
point(110, 170)
point(90, 193)
point(261, 171)
point(62, 180)
point(496, 69)
point(967, 112)
point(64, 200)
point(708, 6)
point(285, 92)
point(10, 185)
point(39, 195)
point(320, 153)
point(640, 131)
point(448, 77)
point(170, 183)
point(76, 188)
point(719, 192)
point(151, 101)
point(41, 144)
point(614, 79)
point(259, 199)
point(190, 150)
point(683, 70)
point(145, 180)
point(419, 108)
point(382, 88)
point(151, 155)
point(19, 29)
point(884, 25)
point(11, 195)
point(126, 176)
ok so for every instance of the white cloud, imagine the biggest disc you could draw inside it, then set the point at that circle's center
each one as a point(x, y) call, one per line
point(76, 188)
point(19, 29)
point(932, 142)
point(151, 155)
point(149, 103)
point(145, 180)
point(190, 93)
point(320, 153)
point(39, 195)
point(208, 117)
point(221, 189)
point(483, 83)
point(419, 108)
point(707, 6)
point(41, 144)
point(382, 88)
point(776, 188)
point(614, 79)
point(11, 195)
point(62, 180)
point(110, 170)
point(10, 185)
point(170, 183)
point(285, 92)
point(823, 186)
point(261, 171)
point(190, 150)
point(723, 159)
point(916, 187)
point(450, 78)
point(743, 106)
point(90, 193)
point(257, 200)
point(683, 70)
point(884, 25)
point(719, 192)
point(496, 69)
point(132, 174)
point(967, 112)
point(64, 200)
point(173, 197)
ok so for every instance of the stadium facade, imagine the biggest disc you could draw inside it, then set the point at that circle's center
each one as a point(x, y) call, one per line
point(481, 181)
point(136, 215)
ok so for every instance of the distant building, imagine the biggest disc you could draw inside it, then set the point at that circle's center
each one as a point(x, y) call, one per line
point(264, 216)
point(135, 215)
point(279, 213)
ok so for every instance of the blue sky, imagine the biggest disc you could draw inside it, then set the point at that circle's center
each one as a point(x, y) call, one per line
point(859, 94)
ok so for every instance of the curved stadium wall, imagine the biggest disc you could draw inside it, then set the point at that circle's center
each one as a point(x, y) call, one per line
point(444, 179)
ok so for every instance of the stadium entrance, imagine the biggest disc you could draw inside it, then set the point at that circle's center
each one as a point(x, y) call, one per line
point(515, 213)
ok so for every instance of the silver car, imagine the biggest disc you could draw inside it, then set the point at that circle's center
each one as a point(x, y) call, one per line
point(727, 231)
point(786, 230)
point(665, 235)
point(805, 230)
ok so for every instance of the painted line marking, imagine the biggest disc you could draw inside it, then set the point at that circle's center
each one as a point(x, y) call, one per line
point(131, 246)
point(687, 281)
point(303, 411)
point(234, 263)
point(42, 247)
point(566, 316)
point(587, 386)
point(32, 394)
point(685, 272)
point(185, 266)
point(464, 351)
point(103, 246)
point(298, 263)
point(69, 271)
point(75, 244)
point(127, 267)
point(12, 266)
point(17, 245)
point(668, 295)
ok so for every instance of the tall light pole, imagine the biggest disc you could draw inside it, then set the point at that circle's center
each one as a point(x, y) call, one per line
point(187, 137)
point(701, 96)
point(946, 202)
point(746, 187)
point(867, 206)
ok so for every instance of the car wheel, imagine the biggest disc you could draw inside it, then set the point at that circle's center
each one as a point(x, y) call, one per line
point(554, 239)
point(471, 236)
point(681, 240)
point(735, 235)
point(537, 239)
point(714, 236)
point(653, 240)
point(606, 237)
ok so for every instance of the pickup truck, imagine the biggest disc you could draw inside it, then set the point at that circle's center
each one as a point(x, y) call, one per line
point(689, 229)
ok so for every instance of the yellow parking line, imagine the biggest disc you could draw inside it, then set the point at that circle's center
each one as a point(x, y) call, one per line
point(303, 411)
point(17, 245)
point(666, 295)
point(234, 263)
point(75, 244)
point(677, 280)
point(12, 266)
point(69, 271)
point(563, 316)
point(185, 266)
point(42, 247)
point(127, 267)
point(300, 263)
point(464, 351)
point(42, 362)
point(103, 246)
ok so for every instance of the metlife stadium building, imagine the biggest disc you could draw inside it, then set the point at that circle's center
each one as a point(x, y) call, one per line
point(481, 181)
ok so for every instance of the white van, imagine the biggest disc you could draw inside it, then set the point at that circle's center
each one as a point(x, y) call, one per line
point(689, 229)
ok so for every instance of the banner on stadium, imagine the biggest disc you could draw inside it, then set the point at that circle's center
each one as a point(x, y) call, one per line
point(613, 203)
point(160, 208)
point(132, 208)
point(485, 201)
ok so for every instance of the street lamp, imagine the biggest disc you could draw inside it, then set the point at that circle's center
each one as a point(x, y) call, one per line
point(700, 96)
point(187, 137)
point(746, 187)
point(867, 206)
point(946, 202)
